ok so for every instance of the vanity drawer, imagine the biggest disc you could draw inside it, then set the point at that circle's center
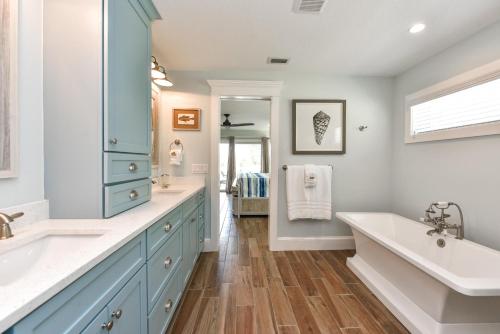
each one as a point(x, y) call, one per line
point(158, 233)
point(162, 312)
point(162, 265)
point(120, 167)
point(121, 197)
point(189, 206)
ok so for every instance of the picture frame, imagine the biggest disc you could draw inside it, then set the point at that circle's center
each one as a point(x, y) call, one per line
point(319, 126)
point(9, 141)
point(186, 119)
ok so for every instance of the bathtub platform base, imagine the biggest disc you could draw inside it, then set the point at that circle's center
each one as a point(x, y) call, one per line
point(410, 315)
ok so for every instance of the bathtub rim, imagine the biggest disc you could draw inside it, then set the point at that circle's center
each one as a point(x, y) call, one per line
point(467, 286)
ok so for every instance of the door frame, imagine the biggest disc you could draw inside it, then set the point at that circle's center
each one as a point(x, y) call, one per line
point(247, 89)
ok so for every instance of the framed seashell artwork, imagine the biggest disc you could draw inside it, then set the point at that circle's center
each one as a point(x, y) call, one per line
point(8, 89)
point(319, 126)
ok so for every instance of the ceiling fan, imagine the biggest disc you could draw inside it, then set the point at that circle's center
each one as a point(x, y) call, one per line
point(227, 123)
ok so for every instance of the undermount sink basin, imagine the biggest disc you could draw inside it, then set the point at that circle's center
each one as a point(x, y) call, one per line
point(29, 256)
point(172, 190)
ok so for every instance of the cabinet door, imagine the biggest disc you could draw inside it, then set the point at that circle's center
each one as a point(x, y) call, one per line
point(100, 324)
point(127, 309)
point(186, 261)
point(127, 88)
point(193, 239)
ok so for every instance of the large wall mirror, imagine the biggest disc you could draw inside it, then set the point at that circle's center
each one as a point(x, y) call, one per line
point(155, 128)
point(8, 89)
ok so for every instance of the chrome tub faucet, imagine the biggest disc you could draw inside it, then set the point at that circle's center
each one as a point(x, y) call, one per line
point(439, 221)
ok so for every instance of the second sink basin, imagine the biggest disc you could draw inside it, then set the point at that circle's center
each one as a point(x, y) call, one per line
point(172, 190)
point(44, 250)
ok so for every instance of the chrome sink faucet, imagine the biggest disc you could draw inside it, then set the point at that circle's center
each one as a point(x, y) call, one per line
point(5, 219)
point(439, 221)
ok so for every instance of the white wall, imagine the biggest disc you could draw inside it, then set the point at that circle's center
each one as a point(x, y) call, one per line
point(362, 175)
point(466, 171)
point(28, 187)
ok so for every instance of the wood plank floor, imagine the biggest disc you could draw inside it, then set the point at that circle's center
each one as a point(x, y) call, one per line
point(245, 288)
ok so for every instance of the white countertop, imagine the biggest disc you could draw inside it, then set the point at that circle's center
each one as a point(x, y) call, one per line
point(20, 298)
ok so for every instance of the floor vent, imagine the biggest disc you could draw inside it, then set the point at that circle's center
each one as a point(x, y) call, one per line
point(309, 6)
point(273, 60)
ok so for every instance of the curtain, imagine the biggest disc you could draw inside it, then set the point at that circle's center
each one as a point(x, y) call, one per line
point(264, 161)
point(231, 165)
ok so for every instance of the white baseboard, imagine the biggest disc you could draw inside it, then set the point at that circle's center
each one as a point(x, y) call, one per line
point(313, 243)
point(211, 245)
point(298, 243)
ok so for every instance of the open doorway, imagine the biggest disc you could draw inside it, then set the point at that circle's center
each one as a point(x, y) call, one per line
point(244, 161)
point(223, 90)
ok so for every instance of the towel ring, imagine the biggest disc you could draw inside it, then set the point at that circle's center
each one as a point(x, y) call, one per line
point(177, 142)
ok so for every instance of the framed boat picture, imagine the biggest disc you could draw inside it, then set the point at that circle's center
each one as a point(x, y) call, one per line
point(8, 89)
point(186, 119)
point(319, 126)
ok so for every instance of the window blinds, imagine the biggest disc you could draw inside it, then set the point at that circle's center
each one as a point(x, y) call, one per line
point(474, 105)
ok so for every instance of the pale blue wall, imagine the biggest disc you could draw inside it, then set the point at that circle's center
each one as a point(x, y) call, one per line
point(466, 171)
point(362, 176)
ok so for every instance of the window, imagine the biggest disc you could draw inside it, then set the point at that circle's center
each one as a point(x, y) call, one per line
point(248, 157)
point(465, 106)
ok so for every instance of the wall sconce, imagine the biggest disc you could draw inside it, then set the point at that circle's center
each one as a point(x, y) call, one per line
point(158, 74)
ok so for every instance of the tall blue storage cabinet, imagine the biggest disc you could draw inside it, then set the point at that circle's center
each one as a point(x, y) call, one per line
point(97, 106)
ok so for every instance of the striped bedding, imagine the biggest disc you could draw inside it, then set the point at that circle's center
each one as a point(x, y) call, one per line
point(253, 184)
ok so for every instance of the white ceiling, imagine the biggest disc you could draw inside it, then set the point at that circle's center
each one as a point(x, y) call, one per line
point(247, 111)
point(355, 37)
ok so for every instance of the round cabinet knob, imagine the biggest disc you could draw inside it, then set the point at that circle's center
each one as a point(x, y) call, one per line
point(132, 167)
point(168, 305)
point(168, 262)
point(133, 195)
point(107, 325)
point(201, 240)
point(117, 314)
point(113, 141)
point(168, 227)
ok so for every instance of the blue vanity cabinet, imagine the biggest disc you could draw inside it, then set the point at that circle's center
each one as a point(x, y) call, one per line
point(189, 243)
point(97, 131)
point(98, 325)
point(128, 100)
point(128, 310)
point(126, 313)
point(136, 289)
point(112, 284)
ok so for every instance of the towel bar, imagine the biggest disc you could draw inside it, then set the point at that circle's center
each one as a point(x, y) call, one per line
point(285, 167)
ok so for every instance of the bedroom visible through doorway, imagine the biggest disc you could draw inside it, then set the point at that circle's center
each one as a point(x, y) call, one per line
point(244, 158)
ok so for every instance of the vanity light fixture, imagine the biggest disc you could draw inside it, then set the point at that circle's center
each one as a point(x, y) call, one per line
point(165, 82)
point(416, 28)
point(158, 74)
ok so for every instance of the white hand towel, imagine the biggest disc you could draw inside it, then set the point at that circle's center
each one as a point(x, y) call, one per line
point(175, 157)
point(309, 203)
point(310, 176)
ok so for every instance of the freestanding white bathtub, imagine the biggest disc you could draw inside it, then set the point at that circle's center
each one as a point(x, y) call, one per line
point(453, 289)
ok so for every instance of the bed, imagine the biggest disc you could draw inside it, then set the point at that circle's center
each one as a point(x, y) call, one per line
point(251, 194)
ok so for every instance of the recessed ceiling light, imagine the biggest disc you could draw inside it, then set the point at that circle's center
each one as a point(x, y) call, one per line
point(416, 28)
